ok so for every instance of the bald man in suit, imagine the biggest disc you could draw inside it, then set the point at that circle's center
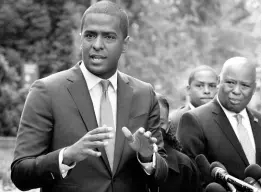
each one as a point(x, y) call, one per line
point(215, 130)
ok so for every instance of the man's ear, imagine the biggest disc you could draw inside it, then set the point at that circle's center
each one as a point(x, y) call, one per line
point(81, 46)
point(125, 45)
point(218, 82)
point(254, 90)
point(188, 88)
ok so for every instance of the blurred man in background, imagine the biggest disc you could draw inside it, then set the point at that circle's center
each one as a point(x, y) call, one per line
point(225, 130)
point(201, 88)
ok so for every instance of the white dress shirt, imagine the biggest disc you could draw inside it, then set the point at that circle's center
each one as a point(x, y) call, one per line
point(245, 121)
point(95, 90)
point(191, 106)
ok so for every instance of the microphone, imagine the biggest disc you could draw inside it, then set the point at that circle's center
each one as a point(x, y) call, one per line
point(252, 182)
point(215, 187)
point(221, 174)
point(204, 168)
point(218, 164)
point(254, 171)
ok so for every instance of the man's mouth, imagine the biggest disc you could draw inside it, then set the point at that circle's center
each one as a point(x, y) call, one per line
point(97, 58)
point(234, 101)
point(206, 98)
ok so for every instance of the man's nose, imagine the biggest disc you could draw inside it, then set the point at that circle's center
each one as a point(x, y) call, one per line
point(236, 89)
point(206, 89)
point(98, 43)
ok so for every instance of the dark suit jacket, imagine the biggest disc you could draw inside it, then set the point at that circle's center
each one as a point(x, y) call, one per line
point(58, 112)
point(176, 116)
point(206, 130)
point(182, 174)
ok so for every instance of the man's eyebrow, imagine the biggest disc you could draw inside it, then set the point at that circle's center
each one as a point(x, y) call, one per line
point(103, 32)
point(88, 31)
point(109, 33)
point(209, 83)
point(199, 81)
point(246, 82)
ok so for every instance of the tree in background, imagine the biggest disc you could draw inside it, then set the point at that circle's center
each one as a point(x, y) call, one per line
point(38, 31)
point(11, 98)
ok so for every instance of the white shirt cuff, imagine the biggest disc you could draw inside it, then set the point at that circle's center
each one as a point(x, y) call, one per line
point(150, 166)
point(62, 167)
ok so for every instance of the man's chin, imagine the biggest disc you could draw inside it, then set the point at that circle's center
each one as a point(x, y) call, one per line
point(235, 108)
point(204, 101)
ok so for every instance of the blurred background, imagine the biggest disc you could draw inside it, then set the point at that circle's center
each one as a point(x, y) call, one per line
point(168, 39)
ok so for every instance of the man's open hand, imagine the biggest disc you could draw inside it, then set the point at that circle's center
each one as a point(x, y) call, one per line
point(86, 146)
point(141, 142)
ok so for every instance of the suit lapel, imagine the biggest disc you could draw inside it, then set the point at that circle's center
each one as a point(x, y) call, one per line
point(79, 91)
point(124, 99)
point(256, 134)
point(223, 122)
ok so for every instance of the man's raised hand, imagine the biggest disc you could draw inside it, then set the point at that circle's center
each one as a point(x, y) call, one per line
point(86, 145)
point(141, 142)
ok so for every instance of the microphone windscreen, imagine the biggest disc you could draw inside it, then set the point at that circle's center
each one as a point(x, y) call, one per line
point(217, 164)
point(215, 187)
point(253, 171)
point(204, 167)
point(250, 180)
point(253, 182)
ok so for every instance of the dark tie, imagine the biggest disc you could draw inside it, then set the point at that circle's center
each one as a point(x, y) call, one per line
point(107, 118)
point(245, 141)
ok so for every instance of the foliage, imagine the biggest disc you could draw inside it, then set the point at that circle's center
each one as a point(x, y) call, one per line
point(36, 31)
point(11, 98)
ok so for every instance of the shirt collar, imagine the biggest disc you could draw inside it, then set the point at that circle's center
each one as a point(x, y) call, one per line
point(92, 80)
point(228, 113)
point(191, 106)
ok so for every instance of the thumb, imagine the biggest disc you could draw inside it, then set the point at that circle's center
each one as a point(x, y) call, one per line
point(128, 134)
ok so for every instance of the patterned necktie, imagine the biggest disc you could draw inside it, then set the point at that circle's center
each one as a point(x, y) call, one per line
point(107, 118)
point(245, 140)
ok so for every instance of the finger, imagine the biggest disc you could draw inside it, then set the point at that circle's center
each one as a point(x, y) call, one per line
point(103, 129)
point(128, 134)
point(152, 140)
point(99, 136)
point(147, 134)
point(94, 153)
point(155, 148)
point(96, 144)
point(141, 130)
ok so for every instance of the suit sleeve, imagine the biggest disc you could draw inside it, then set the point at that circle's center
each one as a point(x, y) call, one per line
point(33, 165)
point(191, 136)
point(161, 169)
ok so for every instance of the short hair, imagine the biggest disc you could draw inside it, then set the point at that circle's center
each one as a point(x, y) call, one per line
point(200, 68)
point(163, 101)
point(109, 8)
